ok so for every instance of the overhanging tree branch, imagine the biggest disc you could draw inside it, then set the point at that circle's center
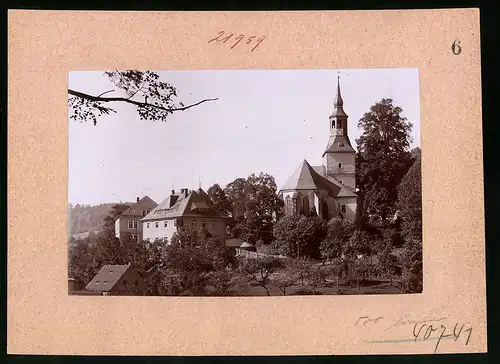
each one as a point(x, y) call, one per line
point(136, 103)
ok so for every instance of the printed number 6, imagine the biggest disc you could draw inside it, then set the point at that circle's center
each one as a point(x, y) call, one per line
point(455, 47)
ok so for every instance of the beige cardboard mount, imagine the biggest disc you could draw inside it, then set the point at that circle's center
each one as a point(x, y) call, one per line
point(43, 46)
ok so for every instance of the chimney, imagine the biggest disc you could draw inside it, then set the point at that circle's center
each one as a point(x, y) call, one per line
point(173, 192)
point(137, 199)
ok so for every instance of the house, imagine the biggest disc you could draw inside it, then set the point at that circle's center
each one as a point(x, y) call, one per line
point(117, 280)
point(191, 210)
point(127, 226)
point(328, 190)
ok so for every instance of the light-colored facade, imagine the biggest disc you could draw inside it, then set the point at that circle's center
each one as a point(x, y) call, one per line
point(328, 190)
point(128, 225)
point(190, 210)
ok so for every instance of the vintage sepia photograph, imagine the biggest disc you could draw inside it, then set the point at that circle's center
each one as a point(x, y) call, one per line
point(244, 182)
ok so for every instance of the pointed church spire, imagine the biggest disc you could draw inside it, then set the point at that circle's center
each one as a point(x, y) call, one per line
point(338, 99)
point(338, 102)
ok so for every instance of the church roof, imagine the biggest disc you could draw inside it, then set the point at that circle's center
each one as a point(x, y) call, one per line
point(306, 178)
point(339, 144)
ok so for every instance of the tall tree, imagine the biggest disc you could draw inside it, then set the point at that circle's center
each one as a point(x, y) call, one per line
point(254, 203)
point(219, 199)
point(410, 201)
point(153, 99)
point(383, 156)
point(298, 236)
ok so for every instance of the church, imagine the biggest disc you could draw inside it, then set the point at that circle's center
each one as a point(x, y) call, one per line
point(328, 190)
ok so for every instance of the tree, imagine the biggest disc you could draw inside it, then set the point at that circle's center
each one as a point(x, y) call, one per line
point(152, 98)
point(383, 156)
point(301, 268)
point(387, 263)
point(410, 201)
point(338, 233)
point(297, 235)
point(317, 277)
point(338, 267)
point(411, 266)
point(286, 278)
point(254, 204)
point(219, 199)
point(109, 220)
point(259, 270)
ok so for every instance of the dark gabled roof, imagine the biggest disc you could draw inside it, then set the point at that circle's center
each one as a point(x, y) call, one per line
point(107, 277)
point(195, 204)
point(145, 203)
point(306, 178)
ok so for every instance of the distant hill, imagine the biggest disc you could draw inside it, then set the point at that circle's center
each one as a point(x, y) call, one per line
point(87, 218)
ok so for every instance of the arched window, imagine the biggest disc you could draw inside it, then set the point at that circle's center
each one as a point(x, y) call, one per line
point(288, 205)
point(305, 205)
point(340, 165)
point(333, 124)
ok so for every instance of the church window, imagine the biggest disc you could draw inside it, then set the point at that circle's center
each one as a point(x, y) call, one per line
point(288, 201)
point(305, 205)
point(340, 165)
point(339, 124)
point(343, 209)
point(333, 124)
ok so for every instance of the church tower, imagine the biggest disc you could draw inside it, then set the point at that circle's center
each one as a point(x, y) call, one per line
point(339, 155)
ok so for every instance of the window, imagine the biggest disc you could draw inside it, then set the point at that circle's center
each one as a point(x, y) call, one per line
point(104, 281)
point(341, 181)
point(339, 124)
point(98, 281)
point(204, 223)
point(305, 205)
point(157, 224)
point(133, 236)
point(289, 207)
point(147, 225)
point(136, 282)
point(132, 224)
point(193, 223)
point(165, 239)
point(333, 124)
point(214, 224)
point(133, 211)
point(175, 222)
point(165, 223)
point(340, 165)
point(343, 209)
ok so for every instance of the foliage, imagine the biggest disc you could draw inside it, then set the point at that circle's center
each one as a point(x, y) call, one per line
point(318, 276)
point(297, 235)
point(301, 268)
point(411, 266)
point(339, 267)
point(219, 199)
point(387, 265)
point(254, 204)
point(259, 270)
point(338, 233)
point(154, 99)
point(286, 278)
point(410, 201)
point(383, 156)
point(86, 218)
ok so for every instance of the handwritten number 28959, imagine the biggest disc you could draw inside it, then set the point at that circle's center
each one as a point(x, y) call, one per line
point(236, 40)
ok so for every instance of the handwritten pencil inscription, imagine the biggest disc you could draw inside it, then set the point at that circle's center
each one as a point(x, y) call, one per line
point(424, 331)
point(234, 40)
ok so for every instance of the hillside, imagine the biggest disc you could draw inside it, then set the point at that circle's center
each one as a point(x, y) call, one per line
point(87, 218)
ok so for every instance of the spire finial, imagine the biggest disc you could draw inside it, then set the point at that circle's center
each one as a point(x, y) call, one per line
point(199, 182)
point(338, 98)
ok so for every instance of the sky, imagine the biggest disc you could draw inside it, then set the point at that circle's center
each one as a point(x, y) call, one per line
point(263, 121)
